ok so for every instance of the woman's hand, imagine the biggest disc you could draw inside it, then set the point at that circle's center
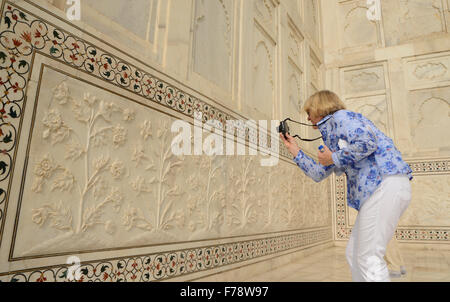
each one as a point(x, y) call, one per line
point(290, 144)
point(325, 157)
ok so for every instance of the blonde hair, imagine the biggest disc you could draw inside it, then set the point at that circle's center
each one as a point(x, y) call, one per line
point(323, 103)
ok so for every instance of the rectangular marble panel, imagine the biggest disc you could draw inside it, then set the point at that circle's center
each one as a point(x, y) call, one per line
point(355, 29)
point(428, 208)
point(429, 120)
point(363, 79)
point(133, 15)
point(427, 71)
point(100, 175)
point(213, 41)
point(296, 43)
point(406, 20)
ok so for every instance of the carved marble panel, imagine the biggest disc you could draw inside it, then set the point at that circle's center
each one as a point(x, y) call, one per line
point(363, 79)
point(101, 175)
point(429, 71)
point(311, 15)
point(356, 30)
point(100, 172)
point(213, 41)
point(263, 71)
point(292, 106)
point(133, 15)
point(428, 208)
point(405, 20)
point(429, 114)
point(266, 16)
point(316, 74)
point(296, 43)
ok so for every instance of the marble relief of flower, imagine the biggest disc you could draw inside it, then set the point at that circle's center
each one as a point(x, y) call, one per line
point(45, 167)
point(53, 120)
point(138, 154)
point(146, 129)
point(128, 115)
point(117, 168)
point(61, 93)
point(74, 151)
point(55, 127)
point(39, 216)
point(64, 182)
point(119, 136)
point(90, 100)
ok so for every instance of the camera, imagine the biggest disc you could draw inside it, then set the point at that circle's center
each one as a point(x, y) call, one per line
point(283, 128)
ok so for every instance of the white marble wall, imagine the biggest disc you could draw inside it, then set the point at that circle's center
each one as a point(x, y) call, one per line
point(396, 71)
point(87, 110)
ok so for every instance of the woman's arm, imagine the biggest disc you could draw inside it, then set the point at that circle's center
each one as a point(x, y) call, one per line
point(312, 169)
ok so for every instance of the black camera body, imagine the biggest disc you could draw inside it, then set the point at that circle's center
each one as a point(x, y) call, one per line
point(283, 128)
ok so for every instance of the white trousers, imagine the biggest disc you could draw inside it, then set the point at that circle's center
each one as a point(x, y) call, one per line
point(375, 225)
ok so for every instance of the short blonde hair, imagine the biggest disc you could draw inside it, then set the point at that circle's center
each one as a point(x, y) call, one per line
point(323, 103)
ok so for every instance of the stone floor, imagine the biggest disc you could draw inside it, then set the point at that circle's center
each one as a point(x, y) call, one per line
point(330, 266)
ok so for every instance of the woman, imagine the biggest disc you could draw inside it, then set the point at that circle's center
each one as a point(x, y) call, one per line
point(378, 180)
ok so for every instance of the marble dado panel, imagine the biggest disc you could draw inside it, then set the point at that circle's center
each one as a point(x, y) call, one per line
point(97, 164)
point(425, 220)
point(101, 175)
point(407, 20)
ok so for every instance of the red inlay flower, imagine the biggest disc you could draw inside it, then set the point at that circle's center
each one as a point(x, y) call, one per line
point(16, 87)
point(73, 57)
point(26, 36)
point(41, 278)
point(75, 45)
point(17, 43)
point(14, 16)
point(37, 34)
point(105, 276)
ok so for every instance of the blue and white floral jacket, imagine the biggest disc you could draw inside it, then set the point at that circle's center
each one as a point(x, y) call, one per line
point(360, 150)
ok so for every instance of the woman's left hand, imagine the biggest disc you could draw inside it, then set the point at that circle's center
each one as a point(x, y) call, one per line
point(325, 157)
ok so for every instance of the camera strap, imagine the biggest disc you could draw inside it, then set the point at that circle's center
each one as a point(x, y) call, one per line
point(303, 124)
